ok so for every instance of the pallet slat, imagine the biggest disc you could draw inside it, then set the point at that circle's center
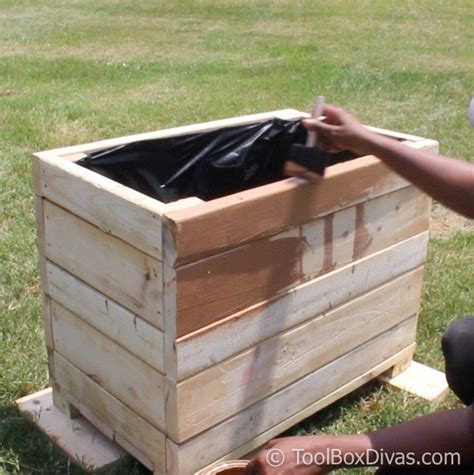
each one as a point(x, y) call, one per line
point(114, 208)
point(108, 364)
point(76, 437)
point(120, 325)
point(227, 388)
point(91, 399)
point(262, 416)
point(221, 285)
point(230, 336)
point(113, 267)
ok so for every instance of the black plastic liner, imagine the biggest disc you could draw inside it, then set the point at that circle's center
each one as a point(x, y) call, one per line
point(207, 165)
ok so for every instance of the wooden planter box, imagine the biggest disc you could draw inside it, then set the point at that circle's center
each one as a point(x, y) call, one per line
point(196, 331)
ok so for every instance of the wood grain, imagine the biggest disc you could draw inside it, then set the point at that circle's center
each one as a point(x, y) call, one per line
point(116, 322)
point(227, 388)
point(225, 338)
point(125, 376)
point(356, 367)
point(97, 404)
point(111, 206)
point(226, 283)
point(106, 263)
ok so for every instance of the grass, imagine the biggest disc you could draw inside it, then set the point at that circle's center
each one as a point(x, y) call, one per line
point(80, 70)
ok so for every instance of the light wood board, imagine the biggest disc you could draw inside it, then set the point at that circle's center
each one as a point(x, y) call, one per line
point(220, 391)
point(80, 441)
point(116, 322)
point(226, 283)
point(225, 338)
point(125, 376)
point(108, 264)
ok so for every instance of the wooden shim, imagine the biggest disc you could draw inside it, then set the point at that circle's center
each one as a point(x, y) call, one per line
point(234, 334)
point(177, 131)
point(286, 403)
point(97, 404)
point(233, 220)
point(80, 441)
point(133, 333)
point(250, 449)
point(125, 376)
point(422, 381)
point(114, 208)
point(227, 388)
point(226, 283)
point(113, 267)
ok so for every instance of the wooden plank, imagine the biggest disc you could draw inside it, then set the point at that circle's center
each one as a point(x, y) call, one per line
point(80, 441)
point(177, 131)
point(114, 208)
point(119, 419)
point(238, 430)
point(113, 267)
point(250, 449)
point(234, 334)
point(422, 381)
point(227, 388)
point(125, 376)
point(122, 326)
point(233, 220)
point(226, 283)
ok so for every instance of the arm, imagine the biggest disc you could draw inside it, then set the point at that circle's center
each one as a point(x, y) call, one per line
point(442, 432)
point(449, 181)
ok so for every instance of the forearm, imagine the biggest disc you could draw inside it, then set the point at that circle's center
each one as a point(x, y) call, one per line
point(441, 432)
point(449, 181)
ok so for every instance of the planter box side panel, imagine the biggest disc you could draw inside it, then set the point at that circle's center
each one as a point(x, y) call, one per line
point(117, 210)
point(232, 335)
point(131, 332)
point(111, 416)
point(221, 285)
point(123, 375)
point(351, 370)
point(104, 262)
point(227, 388)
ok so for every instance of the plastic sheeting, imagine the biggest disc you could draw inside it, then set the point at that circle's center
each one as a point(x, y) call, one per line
point(207, 165)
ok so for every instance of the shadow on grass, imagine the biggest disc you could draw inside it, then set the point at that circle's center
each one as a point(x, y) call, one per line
point(25, 449)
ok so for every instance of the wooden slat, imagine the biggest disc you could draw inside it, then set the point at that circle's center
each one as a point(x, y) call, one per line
point(217, 342)
point(114, 208)
point(422, 381)
point(230, 221)
point(227, 388)
point(82, 442)
point(238, 430)
point(133, 333)
point(113, 267)
point(250, 449)
point(129, 379)
point(226, 283)
point(97, 404)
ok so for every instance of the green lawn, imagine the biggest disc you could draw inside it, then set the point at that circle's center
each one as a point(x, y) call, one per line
point(79, 70)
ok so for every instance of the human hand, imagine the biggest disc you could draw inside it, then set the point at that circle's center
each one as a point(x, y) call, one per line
point(340, 131)
point(283, 456)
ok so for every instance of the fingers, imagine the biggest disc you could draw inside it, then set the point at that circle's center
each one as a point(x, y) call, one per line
point(318, 125)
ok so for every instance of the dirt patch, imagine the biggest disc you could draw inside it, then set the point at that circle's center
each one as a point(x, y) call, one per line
point(445, 223)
